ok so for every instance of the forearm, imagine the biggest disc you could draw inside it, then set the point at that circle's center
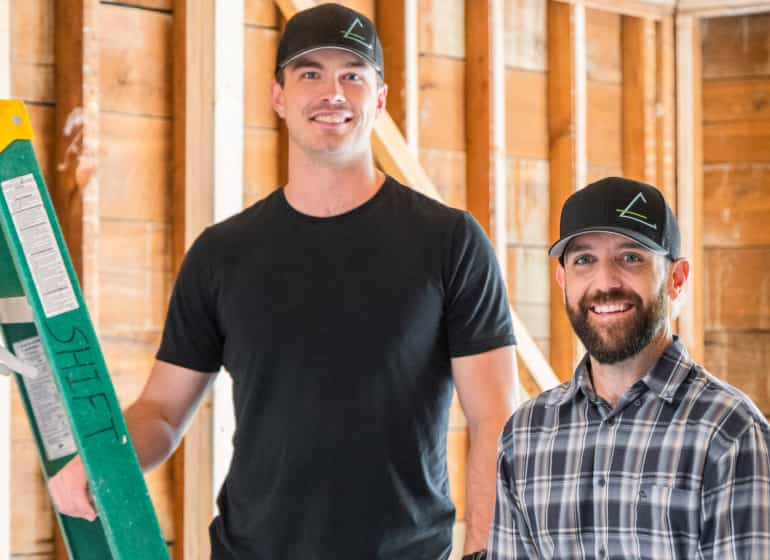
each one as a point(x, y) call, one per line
point(154, 438)
point(480, 482)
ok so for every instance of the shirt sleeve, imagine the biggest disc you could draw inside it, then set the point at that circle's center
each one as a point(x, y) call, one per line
point(477, 311)
point(735, 519)
point(191, 335)
point(507, 541)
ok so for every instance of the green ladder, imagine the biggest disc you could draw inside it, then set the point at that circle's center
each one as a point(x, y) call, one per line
point(58, 363)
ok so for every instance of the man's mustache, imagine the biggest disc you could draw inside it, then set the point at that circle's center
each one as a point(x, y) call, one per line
point(610, 296)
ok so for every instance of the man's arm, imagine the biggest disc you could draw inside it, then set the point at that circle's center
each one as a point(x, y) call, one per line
point(735, 500)
point(156, 421)
point(485, 387)
point(509, 538)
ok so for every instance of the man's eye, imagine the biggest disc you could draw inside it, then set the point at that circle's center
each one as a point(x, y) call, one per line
point(632, 258)
point(310, 75)
point(583, 259)
point(353, 77)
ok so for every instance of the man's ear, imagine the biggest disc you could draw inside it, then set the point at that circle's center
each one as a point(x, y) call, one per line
point(677, 277)
point(276, 98)
point(382, 97)
point(560, 281)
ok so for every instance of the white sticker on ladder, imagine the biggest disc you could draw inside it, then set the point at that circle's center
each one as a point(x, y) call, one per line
point(39, 245)
point(45, 400)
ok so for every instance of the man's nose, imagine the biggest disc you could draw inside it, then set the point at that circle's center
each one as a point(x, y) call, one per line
point(334, 93)
point(607, 276)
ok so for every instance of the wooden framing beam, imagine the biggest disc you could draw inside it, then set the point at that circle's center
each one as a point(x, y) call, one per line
point(228, 192)
point(397, 27)
point(567, 151)
point(690, 177)
point(193, 178)
point(395, 158)
point(639, 132)
point(651, 9)
point(5, 382)
point(721, 8)
point(75, 189)
point(659, 9)
point(665, 124)
point(485, 118)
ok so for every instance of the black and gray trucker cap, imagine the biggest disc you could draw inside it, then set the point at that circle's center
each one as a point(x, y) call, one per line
point(623, 206)
point(330, 26)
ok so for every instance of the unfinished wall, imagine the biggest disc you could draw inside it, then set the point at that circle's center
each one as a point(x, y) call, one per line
point(134, 174)
point(134, 251)
point(441, 138)
point(736, 179)
point(135, 211)
point(526, 75)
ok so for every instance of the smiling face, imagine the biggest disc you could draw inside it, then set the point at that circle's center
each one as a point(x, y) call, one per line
point(329, 100)
point(617, 294)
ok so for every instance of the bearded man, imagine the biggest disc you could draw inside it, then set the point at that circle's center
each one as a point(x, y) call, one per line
point(643, 453)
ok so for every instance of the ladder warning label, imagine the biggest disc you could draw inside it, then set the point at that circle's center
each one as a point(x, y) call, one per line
point(45, 400)
point(39, 245)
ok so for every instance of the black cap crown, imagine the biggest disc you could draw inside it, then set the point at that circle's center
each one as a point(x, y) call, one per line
point(623, 206)
point(330, 26)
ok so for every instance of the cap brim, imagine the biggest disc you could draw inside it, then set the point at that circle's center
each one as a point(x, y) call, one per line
point(360, 55)
point(557, 249)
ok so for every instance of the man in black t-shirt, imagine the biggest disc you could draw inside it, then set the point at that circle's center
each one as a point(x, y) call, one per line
point(345, 306)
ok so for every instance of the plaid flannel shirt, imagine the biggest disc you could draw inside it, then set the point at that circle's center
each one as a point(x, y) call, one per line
point(680, 468)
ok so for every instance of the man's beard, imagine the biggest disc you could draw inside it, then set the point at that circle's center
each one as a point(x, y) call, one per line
point(626, 338)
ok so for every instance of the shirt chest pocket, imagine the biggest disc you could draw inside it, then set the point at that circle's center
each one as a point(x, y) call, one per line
point(670, 518)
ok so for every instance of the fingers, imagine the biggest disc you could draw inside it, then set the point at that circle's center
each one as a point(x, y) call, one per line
point(69, 491)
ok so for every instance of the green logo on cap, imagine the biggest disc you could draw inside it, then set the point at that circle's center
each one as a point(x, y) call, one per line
point(635, 216)
point(349, 34)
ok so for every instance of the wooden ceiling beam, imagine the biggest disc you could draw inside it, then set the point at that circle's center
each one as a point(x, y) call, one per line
point(659, 9)
point(650, 9)
point(721, 8)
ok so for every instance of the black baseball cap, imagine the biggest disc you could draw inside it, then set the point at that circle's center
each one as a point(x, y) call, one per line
point(623, 206)
point(330, 26)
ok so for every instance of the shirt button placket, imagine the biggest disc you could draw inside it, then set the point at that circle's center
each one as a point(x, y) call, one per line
point(603, 485)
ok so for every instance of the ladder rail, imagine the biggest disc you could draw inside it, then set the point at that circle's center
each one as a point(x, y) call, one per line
point(61, 341)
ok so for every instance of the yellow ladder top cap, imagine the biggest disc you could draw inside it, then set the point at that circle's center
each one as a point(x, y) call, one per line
point(14, 122)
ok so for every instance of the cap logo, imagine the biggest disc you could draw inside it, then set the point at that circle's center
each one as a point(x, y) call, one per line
point(350, 34)
point(628, 214)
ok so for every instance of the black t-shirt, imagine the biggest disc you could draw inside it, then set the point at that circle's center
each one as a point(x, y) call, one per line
point(338, 334)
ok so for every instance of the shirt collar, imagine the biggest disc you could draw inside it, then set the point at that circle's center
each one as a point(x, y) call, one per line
point(664, 379)
point(668, 374)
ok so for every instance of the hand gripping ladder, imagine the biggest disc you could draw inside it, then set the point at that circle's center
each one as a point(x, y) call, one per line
point(58, 363)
